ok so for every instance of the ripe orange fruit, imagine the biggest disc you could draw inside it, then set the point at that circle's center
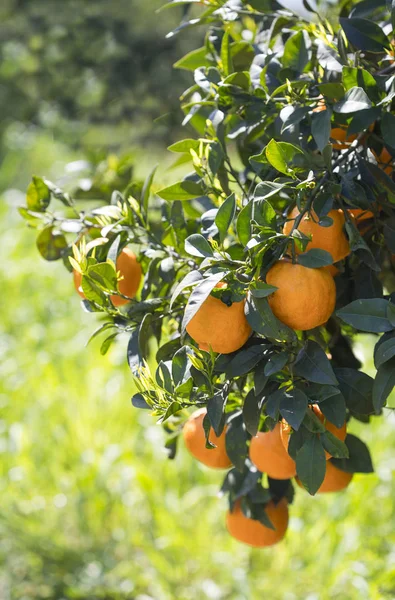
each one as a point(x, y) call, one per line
point(342, 142)
point(252, 532)
point(269, 455)
point(332, 239)
point(384, 161)
point(339, 432)
point(335, 480)
point(195, 441)
point(223, 328)
point(305, 297)
point(130, 270)
point(360, 214)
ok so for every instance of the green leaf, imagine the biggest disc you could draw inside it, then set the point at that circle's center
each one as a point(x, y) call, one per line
point(311, 464)
point(293, 407)
point(357, 77)
point(197, 245)
point(266, 189)
point(199, 294)
point(104, 348)
point(276, 363)
point(225, 216)
point(236, 441)
point(359, 460)
point(51, 244)
point(262, 321)
point(183, 190)
point(281, 155)
point(334, 409)
point(367, 315)
point(354, 100)
point(138, 401)
point(226, 58)
point(321, 128)
point(365, 34)
point(145, 332)
point(388, 128)
point(215, 410)
point(297, 52)
point(315, 258)
point(313, 364)
point(383, 384)
point(193, 60)
point(104, 275)
point(190, 279)
point(145, 192)
point(245, 360)
point(185, 146)
point(356, 388)
point(260, 289)
point(333, 445)
point(243, 225)
point(133, 351)
point(251, 412)
point(38, 195)
point(180, 365)
point(384, 351)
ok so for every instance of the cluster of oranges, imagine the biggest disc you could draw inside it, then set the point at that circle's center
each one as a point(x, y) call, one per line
point(304, 299)
point(268, 452)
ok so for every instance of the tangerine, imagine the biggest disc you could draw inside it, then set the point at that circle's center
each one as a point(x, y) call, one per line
point(305, 297)
point(195, 441)
point(253, 532)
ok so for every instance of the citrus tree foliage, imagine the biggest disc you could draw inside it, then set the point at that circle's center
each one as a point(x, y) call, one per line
point(287, 113)
point(74, 63)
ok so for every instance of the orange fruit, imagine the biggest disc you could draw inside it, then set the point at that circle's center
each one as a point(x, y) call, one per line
point(305, 297)
point(360, 214)
point(223, 328)
point(195, 441)
point(342, 142)
point(130, 270)
point(335, 480)
point(332, 239)
point(339, 432)
point(384, 161)
point(252, 532)
point(269, 455)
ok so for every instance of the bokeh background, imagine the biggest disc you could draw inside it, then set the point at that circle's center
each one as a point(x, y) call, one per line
point(90, 506)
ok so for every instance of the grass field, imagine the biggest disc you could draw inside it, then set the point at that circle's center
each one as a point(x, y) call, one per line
point(90, 506)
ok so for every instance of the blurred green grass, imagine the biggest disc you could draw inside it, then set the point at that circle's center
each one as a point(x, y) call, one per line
point(90, 506)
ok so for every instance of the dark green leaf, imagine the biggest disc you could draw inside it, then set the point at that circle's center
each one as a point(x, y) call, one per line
point(260, 289)
point(313, 364)
point(251, 412)
point(383, 384)
point(367, 315)
point(225, 216)
point(138, 401)
point(104, 348)
point(180, 365)
point(262, 320)
point(293, 406)
point(365, 34)
point(236, 441)
point(215, 410)
point(333, 445)
point(276, 363)
point(321, 128)
point(356, 388)
point(311, 464)
point(245, 360)
point(384, 351)
point(359, 460)
point(190, 279)
point(334, 409)
point(145, 193)
point(133, 351)
point(315, 258)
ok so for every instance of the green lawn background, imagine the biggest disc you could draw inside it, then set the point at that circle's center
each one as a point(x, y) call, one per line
point(90, 506)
